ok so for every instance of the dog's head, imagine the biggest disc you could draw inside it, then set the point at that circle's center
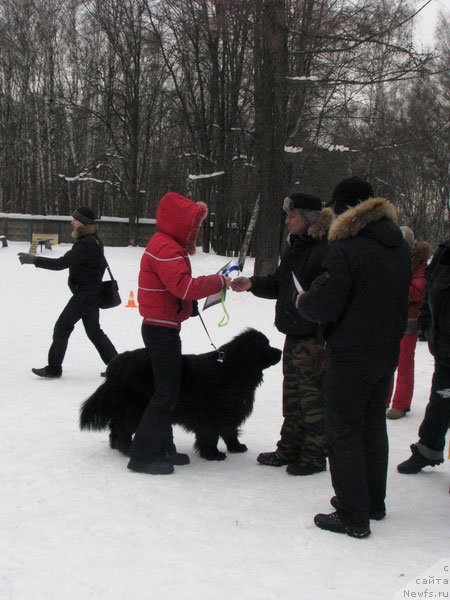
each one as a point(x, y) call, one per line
point(251, 349)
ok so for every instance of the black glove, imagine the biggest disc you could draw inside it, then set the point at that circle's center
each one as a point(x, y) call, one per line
point(26, 259)
point(422, 335)
point(195, 311)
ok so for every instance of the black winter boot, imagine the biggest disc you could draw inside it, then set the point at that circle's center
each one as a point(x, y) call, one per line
point(333, 522)
point(48, 372)
point(177, 458)
point(416, 462)
point(272, 459)
point(376, 516)
point(156, 465)
point(296, 469)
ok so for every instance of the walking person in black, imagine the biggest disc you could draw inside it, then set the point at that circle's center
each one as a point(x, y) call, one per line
point(86, 264)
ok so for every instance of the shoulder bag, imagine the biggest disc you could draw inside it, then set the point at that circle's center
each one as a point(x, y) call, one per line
point(109, 296)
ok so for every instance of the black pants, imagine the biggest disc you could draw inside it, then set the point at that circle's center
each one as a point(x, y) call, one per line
point(154, 435)
point(85, 307)
point(355, 396)
point(435, 424)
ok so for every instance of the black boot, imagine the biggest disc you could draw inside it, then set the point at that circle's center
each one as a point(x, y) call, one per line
point(374, 515)
point(416, 462)
point(156, 465)
point(296, 469)
point(272, 459)
point(333, 522)
point(177, 458)
point(48, 372)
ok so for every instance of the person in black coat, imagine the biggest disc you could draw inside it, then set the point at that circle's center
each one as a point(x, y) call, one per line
point(434, 322)
point(362, 295)
point(302, 445)
point(86, 264)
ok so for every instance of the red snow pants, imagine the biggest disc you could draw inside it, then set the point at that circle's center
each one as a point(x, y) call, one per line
point(404, 386)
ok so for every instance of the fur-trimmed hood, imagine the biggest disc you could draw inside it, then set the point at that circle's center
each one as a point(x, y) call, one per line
point(319, 229)
point(420, 253)
point(366, 215)
point(180, 218)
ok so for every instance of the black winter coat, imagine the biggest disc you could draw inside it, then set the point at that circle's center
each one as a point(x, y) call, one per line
point(304, 257)
point(85, 261)
point(434, 318)
point(362, 293)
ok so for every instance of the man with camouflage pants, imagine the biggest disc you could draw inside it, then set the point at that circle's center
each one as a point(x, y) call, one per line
point(302, 444)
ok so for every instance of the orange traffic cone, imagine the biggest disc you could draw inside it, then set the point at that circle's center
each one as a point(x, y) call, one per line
point(131, 302)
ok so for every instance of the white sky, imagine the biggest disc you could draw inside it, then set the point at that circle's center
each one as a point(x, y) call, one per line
point(426, 20)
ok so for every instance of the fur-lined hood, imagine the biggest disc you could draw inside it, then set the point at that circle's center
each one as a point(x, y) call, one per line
point(319, 229)
point(420, 253)
point(353, 220)
point(90, 229)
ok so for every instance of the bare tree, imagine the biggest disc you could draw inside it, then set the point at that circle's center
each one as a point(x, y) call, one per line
point(270, 110)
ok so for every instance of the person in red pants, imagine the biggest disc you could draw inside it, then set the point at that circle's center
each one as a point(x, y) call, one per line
point(404, 388)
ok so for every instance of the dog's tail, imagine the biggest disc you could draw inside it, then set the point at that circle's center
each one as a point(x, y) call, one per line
point(94, 412)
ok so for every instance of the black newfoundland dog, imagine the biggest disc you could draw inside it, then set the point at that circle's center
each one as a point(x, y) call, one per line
point(217, 394)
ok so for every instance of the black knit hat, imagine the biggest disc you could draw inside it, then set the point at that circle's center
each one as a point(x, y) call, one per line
point(350, 192)
point(298, 200)
point(85, 215)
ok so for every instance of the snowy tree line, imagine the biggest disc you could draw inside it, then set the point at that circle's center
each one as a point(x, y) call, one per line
point(111, 103)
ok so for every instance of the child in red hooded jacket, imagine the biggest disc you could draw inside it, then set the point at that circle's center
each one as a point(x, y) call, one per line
point(166, 294)
point(404, 386)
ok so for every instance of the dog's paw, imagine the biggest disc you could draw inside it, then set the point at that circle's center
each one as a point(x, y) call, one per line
point(212, 455)
point(120, 443)
point(237, 447)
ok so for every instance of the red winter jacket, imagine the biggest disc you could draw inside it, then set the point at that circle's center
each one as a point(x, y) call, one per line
point(419, 256)
point(166, 285)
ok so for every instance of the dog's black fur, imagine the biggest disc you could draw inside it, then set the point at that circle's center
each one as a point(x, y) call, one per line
point(215, 398)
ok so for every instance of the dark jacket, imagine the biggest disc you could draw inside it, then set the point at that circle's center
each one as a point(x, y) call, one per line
point(85, 261)
point(362, 293)
point(434, 319)
point(304, 257)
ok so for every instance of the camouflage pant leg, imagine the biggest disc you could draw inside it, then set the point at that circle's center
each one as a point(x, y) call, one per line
point(302, 436)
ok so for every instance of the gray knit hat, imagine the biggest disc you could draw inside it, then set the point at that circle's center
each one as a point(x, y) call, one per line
point(85, 215)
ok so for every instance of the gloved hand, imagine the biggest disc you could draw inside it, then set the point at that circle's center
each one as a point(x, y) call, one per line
point(26, 259)
point(195, 311)
point(422, 335)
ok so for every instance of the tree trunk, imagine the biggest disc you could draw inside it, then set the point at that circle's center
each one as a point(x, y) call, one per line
point(270, 111)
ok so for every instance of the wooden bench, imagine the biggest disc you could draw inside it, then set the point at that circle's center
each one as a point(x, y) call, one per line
point(4, 241)
point(43, 240)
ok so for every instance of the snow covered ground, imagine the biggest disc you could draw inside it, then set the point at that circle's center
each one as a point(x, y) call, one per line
point(76, 524)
